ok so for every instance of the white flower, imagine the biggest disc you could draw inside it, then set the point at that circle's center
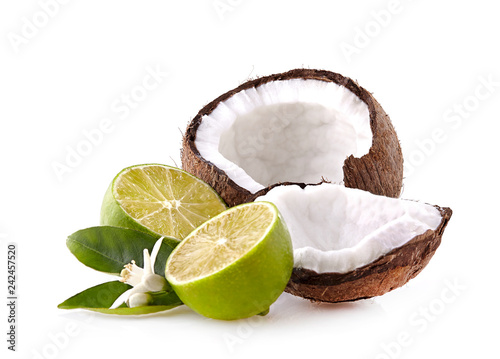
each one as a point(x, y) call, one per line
point(143, 280)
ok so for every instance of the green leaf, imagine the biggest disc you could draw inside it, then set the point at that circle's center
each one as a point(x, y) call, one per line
point(102, 296)
point(108, 249)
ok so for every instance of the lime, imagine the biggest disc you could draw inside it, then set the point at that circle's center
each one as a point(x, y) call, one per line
point(159, 200)
point(235, 265)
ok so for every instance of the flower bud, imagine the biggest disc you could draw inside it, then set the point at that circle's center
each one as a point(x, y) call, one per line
point(139, 300)
point(155, 283)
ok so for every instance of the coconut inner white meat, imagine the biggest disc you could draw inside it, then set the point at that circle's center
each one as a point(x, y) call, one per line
point(294, 130)
point(339, 229)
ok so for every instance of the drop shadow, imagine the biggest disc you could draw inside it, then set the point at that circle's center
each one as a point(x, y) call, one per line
point(292, 308)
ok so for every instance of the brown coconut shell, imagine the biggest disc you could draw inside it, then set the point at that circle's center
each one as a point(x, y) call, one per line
point(380, 171)
point(379, 277)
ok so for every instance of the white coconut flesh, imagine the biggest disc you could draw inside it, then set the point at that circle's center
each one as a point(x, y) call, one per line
point(285, 131)
point(339, 229)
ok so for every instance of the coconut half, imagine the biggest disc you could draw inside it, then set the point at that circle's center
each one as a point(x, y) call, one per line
point(304, 126)
point(350, 244)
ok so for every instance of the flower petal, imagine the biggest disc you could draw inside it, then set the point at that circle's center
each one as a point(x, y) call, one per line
point(147, 263)
point(154, 252)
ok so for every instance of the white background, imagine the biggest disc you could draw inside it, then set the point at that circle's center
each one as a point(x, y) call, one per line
point(61, 74)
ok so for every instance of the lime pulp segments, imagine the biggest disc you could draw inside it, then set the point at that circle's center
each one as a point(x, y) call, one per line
point(159, 200)
point(234, 265)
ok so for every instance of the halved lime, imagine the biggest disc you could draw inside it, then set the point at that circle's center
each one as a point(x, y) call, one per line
point(234, 265)
point(159, 200)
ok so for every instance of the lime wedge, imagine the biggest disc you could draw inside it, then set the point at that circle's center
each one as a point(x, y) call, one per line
point(235, 265)
point(160, 200)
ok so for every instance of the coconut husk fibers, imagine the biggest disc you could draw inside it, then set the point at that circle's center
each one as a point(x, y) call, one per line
point(379, 277)
point(380, 171)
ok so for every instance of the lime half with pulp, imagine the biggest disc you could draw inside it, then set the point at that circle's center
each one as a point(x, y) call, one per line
point(159, 200)
point(235, 265)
